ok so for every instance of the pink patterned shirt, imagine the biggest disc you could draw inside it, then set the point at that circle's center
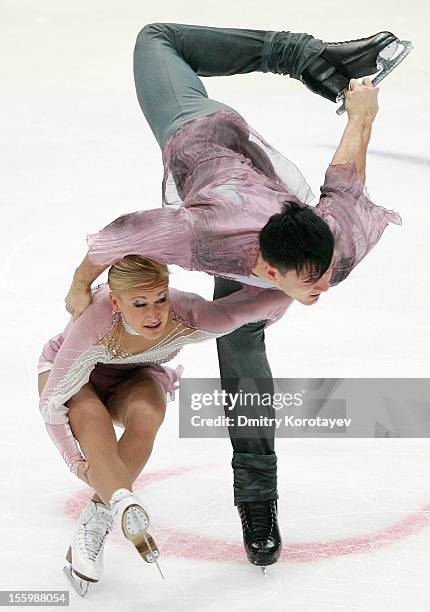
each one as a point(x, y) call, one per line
point(222, 182)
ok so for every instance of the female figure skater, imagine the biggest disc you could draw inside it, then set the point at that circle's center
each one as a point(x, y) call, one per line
point(105, 369)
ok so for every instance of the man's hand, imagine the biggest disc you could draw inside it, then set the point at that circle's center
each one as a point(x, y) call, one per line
point(78, 298)
point(361, 101)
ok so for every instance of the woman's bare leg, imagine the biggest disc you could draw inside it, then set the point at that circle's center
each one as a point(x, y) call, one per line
point(138, 405)
point(92, 426)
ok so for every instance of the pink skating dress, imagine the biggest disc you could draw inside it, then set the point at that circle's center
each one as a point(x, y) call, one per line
point(73, 356)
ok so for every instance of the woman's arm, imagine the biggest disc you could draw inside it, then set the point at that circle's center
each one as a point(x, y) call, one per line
point(58, 355)
point(41, 381)
point(62, 437)
point(232, 311)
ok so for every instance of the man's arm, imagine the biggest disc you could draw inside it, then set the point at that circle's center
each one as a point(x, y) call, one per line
point(87, 271)
point(355, 221)
point(361, 103)
point(159, 234)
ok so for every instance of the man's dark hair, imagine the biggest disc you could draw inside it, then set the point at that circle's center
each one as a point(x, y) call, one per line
point(296, 238)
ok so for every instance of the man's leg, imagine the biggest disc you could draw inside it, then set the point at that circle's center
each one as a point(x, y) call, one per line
point(169, 58)
point(243, 365)
point(244, 368)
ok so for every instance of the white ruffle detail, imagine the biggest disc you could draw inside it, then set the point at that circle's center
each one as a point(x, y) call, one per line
point(54, 410)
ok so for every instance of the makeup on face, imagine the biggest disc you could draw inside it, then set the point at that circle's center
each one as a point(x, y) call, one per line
point(150, 308)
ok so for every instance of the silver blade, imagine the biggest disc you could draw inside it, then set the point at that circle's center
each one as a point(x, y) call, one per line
point(385, 65)
point(154, 557)
point(80, 585)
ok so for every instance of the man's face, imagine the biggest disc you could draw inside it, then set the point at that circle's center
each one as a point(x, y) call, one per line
point(301, 286)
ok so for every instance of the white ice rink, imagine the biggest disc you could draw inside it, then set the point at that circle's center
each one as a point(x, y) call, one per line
point(76, 153)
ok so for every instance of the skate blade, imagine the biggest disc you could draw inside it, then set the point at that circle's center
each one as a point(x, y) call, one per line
point(389, 58)
point(78, 574)
point(264, 570)
point(80, 585)
point(154, 553)
point(135, 523)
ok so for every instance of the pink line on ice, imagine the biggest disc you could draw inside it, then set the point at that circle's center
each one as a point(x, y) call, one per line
point(178, 543)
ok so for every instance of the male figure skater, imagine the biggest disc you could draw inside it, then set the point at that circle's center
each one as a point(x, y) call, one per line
point(242, 210)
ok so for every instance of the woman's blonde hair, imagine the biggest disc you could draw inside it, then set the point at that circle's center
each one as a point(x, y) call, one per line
point(136, 271)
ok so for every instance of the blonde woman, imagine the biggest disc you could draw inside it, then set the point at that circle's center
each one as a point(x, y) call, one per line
point(105, 369)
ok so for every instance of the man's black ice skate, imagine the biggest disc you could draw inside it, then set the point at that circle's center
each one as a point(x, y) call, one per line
point(330, 73)
point(261, 536)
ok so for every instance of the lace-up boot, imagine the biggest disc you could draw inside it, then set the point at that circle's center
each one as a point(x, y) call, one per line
point(261, 536)
point(132, 521)
point(329, 74)
point(85, 555)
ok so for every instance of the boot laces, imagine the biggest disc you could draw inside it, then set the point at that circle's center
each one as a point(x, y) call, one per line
point(259, 517)
point(95, 530)
point(345, 42)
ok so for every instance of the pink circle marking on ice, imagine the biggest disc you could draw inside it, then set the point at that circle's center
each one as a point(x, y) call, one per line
point(178, 543)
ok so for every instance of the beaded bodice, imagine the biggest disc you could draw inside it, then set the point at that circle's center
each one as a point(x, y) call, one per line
point(92, 338)
point(80, 370)
point(163, 351)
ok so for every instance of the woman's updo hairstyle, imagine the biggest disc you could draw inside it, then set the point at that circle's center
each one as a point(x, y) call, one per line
point(136, 271)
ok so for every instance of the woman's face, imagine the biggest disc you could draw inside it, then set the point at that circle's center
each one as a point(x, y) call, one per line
point(146, 310)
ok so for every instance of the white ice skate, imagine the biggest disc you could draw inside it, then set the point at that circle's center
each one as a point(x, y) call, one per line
point(132, 520)
point(85, 555)
point(388, 59)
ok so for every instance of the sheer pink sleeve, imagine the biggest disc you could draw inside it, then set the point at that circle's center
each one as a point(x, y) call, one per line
point(50, 350)
point(62, 437)
point(59, 353)
point(161, 234)
point(228, 313)
point(356, 222)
